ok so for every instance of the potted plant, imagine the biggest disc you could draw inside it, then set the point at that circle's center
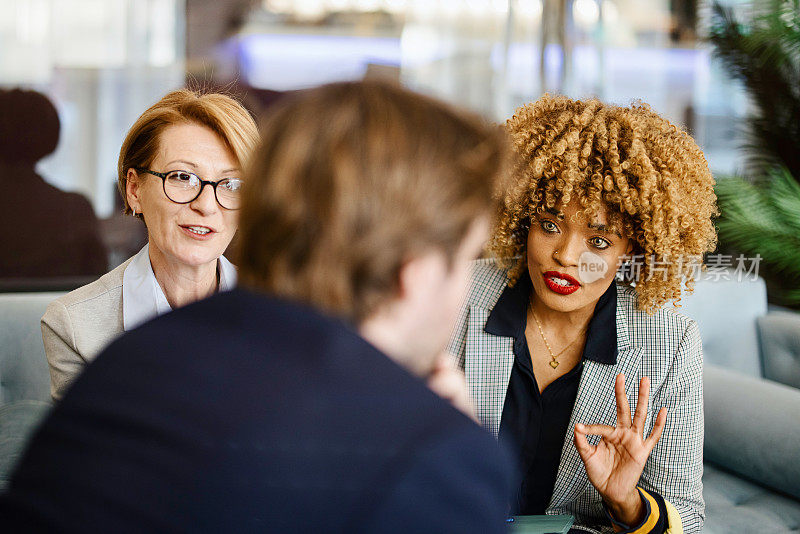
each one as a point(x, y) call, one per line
point(760, 214)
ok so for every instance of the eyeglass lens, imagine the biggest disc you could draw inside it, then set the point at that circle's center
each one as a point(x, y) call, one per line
point(183, 187)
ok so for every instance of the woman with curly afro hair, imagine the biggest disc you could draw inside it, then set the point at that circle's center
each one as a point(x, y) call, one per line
point(571, 356)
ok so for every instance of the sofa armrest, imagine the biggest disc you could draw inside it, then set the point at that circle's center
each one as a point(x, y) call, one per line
point(752, 428)
point(779, 335)
point(17, 421)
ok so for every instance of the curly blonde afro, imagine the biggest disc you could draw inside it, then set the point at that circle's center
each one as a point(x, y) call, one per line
point(649, 175)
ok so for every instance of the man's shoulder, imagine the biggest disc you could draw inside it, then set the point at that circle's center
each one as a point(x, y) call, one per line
point(264, 400)
point(252, 340)
point(240, 317)
point(265, 343)
point(342, 397)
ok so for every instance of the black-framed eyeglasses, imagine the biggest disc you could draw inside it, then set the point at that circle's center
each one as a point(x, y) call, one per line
point(183, 187)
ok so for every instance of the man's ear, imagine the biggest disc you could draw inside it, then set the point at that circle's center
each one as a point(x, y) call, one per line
point(407, 278)
point(419, 274)
point(132, 190)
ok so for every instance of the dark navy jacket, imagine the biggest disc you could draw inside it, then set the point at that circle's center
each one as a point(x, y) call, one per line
point(244, 413)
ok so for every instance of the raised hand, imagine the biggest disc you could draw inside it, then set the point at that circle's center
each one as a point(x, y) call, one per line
point(615, 464)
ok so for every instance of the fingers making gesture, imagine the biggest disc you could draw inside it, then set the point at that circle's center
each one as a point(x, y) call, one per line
point(615, 464)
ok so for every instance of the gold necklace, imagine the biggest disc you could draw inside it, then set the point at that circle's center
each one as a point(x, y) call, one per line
point(554, 362)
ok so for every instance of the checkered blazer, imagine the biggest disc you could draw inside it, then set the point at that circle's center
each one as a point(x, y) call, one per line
point(665, 346)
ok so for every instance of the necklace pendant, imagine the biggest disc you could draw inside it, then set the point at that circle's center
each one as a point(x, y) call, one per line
point(554, 364)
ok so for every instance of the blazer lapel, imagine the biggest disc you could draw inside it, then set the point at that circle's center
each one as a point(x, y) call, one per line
point(596, 404)
point(488, 363)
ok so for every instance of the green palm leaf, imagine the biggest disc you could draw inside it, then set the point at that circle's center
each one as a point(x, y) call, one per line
point(762, 216)
point(764, 221)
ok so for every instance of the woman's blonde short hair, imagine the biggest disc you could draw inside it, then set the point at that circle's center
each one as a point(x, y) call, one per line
point(649, 175)
point(219, 112)
point(352, 180)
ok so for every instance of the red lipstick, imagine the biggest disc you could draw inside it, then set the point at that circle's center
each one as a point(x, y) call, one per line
point(560, 283)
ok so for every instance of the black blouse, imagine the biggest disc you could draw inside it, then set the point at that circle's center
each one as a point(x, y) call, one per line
point(534, 424)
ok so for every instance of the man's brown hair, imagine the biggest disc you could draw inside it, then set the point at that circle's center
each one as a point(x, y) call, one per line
point(351, 180)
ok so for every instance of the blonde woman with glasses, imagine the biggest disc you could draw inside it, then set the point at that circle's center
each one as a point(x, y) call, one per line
point(186, 141)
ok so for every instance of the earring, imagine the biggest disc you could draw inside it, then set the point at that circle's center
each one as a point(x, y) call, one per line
point(134, 211)
point(555, 253)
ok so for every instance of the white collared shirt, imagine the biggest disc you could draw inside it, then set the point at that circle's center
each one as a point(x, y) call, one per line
point(142, 296)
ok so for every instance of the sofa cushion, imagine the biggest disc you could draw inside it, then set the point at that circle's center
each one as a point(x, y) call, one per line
point(24, 373)
point(726, 312)
point(736, 506)
point(17, 421)
point(752, 428)
point(779, 334)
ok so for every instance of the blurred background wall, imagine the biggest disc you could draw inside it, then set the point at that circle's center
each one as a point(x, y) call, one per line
point(102, 62)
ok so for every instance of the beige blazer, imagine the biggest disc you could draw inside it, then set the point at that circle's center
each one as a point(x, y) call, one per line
point(77, 326)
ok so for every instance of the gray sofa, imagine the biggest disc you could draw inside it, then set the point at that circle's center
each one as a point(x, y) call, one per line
point(752, 446)
point(24, 376)
point(752, 408)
